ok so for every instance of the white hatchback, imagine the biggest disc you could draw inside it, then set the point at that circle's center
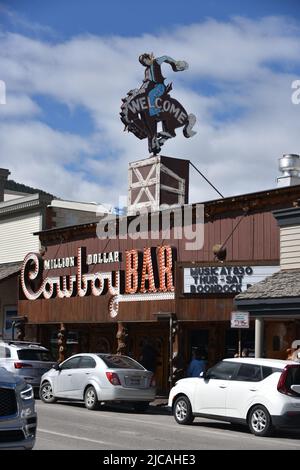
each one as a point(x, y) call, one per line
point(96, 378)
point(261, 393)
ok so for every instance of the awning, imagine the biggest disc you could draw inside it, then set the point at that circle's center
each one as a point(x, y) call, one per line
point(9, 269)
point(277, 295)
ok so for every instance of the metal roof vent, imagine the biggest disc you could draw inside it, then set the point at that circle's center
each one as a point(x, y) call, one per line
point(289, 165)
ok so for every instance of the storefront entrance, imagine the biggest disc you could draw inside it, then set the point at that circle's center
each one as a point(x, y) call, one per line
point(158, 338)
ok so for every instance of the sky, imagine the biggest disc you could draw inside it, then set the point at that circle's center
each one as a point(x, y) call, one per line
point(66, 65)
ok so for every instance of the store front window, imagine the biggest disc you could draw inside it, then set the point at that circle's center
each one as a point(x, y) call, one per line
point(9, 313)
point(232, 341)
point(199, 341)
point(72, 343)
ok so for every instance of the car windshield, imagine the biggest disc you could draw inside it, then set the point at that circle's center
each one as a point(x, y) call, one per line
point(34, 355)
point(120, 362)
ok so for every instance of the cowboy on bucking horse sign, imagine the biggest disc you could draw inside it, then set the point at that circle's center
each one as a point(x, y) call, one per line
point(144, 107)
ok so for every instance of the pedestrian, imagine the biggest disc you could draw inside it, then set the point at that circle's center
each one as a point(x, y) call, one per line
point(289, 353)
point(245, 353)
point(179, 367)
point(296, 354)
point(149, 356)
point(197, 364)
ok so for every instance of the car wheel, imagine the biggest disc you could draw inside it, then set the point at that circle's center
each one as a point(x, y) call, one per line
point(141, 406)
point(46, 393)
point(90, 398)
point(183, 411)
point(259, 421)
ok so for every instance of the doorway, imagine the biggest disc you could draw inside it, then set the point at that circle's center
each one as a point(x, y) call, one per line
point(198, 339)
point(159, 340)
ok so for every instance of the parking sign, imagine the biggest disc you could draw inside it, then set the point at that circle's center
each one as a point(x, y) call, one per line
point(239, 320)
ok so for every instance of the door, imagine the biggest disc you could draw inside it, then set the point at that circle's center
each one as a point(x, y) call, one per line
point(159, 341)
point(81, 375)
point(242, 389)
point(63, 385)
point(211, 392)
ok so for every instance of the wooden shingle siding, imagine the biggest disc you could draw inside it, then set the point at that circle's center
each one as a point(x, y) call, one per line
point(16, 237)
point(290, 247)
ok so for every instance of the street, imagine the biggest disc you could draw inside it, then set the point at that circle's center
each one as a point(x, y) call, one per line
point(71, 426)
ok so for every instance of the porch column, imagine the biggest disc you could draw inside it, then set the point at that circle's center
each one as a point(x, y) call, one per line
point(62, 342)
point(259, 337)
point(121, 336)
point(176, 360)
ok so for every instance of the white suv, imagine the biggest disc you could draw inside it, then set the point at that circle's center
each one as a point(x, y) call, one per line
point(261, 393)
point(28, 360)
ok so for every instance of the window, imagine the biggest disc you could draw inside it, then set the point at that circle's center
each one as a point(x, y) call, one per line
point(223, 370)
point(4, 352)
point(249, 373)
point(276, 343)
point(34, 355)
point(9, 313)
point(87, 362)
point(232, 341)
point(120, 362)
point(293, 377)
point(72, 363)
point(266, 371)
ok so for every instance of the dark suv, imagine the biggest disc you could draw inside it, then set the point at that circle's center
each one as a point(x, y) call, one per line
point(28, 360)
point(17, 412)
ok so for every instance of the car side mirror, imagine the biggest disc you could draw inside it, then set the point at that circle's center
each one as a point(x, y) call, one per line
point(56, 366)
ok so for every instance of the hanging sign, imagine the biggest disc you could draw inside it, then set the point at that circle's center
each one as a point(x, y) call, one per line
point(143, 108)
point(239, 320)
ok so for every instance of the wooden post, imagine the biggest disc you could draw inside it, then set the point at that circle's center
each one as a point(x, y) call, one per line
point(62, 343)
point(121, 336)
point(176, 359)
point(240, 343)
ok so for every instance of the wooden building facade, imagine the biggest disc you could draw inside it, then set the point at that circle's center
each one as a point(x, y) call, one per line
point(117, 293)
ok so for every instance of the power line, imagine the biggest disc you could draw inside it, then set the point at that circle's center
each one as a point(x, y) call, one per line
point(192, 164)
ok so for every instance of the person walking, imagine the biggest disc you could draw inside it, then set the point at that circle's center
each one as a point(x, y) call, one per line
point(296, 354)
point(245, 353)
point(197, 364)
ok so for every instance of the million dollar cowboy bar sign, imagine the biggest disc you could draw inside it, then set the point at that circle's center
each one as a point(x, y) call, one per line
point(148, 275)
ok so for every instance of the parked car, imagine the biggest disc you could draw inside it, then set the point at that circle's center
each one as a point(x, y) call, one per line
point(17, 412)
point(261, 393)
point(97, 378)
point(26, 359)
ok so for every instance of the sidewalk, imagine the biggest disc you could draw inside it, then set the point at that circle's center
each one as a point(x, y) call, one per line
point(159, 401)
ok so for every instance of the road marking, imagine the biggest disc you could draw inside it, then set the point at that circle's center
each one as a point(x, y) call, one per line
point(225, 434)
point(70, 436)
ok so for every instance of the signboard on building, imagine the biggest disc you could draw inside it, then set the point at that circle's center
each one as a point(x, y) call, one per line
point(223, 279)
point(143, 108)
point(239, 320)
point(148, 275)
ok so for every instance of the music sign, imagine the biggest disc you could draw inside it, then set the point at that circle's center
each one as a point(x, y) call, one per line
point(239, 320)
point(203, 280)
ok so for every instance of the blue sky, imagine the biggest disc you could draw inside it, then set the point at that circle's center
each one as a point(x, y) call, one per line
point(67, 64)
point(117, 17)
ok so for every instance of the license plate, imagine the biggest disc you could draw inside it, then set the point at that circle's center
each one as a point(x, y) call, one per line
point(133, 380)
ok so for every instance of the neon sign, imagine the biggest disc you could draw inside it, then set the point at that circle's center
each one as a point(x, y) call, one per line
point(143, 274)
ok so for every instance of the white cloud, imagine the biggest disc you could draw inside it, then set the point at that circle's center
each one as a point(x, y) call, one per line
point(18, 106)
point(243, 127)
